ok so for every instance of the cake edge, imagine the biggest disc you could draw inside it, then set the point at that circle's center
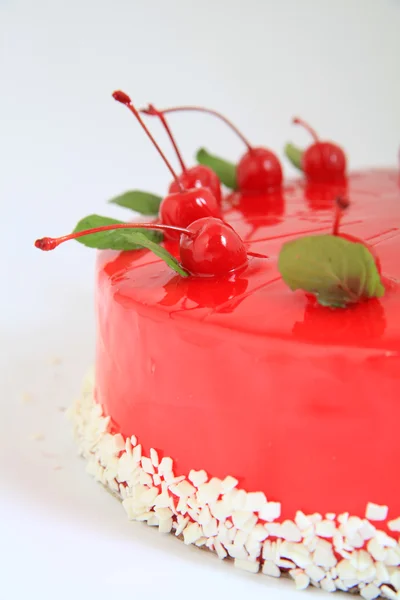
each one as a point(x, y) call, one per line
point(330, 552)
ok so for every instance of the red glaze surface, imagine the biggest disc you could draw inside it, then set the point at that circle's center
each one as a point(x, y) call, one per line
point(199, 176)
point(259, 170)
point(324, 162)
point(182, 208)
point(241, 376)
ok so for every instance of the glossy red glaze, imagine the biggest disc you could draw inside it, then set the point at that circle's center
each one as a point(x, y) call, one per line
point(199, 176)
point(321, 196)
point(241, 376)
point(267, 208)
point(182, 208)
point(214, 250)
point(259, 170)
point(324, 162)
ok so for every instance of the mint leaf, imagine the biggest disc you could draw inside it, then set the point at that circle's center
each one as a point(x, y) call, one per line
point(337, 271)
point(116, 239)
point(171, 261)
point(142, 202)
point(295, 155)
point(226, 171)
point(125, 239)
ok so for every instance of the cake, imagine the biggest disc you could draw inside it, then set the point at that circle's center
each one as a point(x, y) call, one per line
point(248, 418)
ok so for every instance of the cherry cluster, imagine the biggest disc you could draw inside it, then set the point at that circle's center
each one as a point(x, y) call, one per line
point(208, 246)
point(191, 211)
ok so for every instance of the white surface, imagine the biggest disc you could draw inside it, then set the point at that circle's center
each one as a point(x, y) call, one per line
point(65, 148)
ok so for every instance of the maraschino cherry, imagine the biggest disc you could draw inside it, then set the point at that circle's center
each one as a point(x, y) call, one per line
point(322, 162)
point(214, 248)
point(208, 246)
point(184, 206)
point(341, 204)
point(259, 170)
point(194, 177)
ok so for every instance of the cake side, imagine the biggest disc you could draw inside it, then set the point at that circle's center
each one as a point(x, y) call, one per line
point(303, 400)
point(333, 552)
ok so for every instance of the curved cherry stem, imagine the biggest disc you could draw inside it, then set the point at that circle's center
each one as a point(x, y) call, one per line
point(257, 255)
point(48, 243)
point(153, 112)
point(125, 99)
point(210, 112)
point(340, 206)
point(311, 131)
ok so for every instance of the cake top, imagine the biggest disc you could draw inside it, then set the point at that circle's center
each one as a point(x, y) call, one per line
point(232, 262)
point(256, 300)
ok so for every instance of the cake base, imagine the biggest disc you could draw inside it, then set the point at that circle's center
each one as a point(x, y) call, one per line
point(332, 552)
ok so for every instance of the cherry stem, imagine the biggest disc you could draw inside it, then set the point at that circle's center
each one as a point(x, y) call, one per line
point(340, 206)
point(125, 99)
point(210, 112)
point(48, 243)
point(153, 112)
point(257, 255)
point(311, 131)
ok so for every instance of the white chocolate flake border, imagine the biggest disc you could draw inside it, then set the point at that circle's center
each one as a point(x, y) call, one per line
point(332, 552)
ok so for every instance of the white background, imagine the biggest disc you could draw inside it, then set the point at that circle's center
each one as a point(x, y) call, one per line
point(65, 148)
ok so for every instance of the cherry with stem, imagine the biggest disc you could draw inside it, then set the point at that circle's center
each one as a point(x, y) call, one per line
point(197, 176)
point(259, 169)
point(322, 162)
point(185, 204)
point(207, 247)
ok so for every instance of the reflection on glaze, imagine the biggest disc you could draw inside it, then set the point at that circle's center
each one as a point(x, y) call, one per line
point(330, 326)
point(294, 399)
point(322, 197)
point(259, 209)
point(210, 293)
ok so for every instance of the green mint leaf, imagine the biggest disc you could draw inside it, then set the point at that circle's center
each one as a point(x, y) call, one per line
point(162, 253)
point(125, 239)
point(295, 155)
point(225, 170)
point(142, 202)
point(337, 271)
point(116, 239)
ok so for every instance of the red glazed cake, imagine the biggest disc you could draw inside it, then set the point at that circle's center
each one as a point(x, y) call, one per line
point(248, 418)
